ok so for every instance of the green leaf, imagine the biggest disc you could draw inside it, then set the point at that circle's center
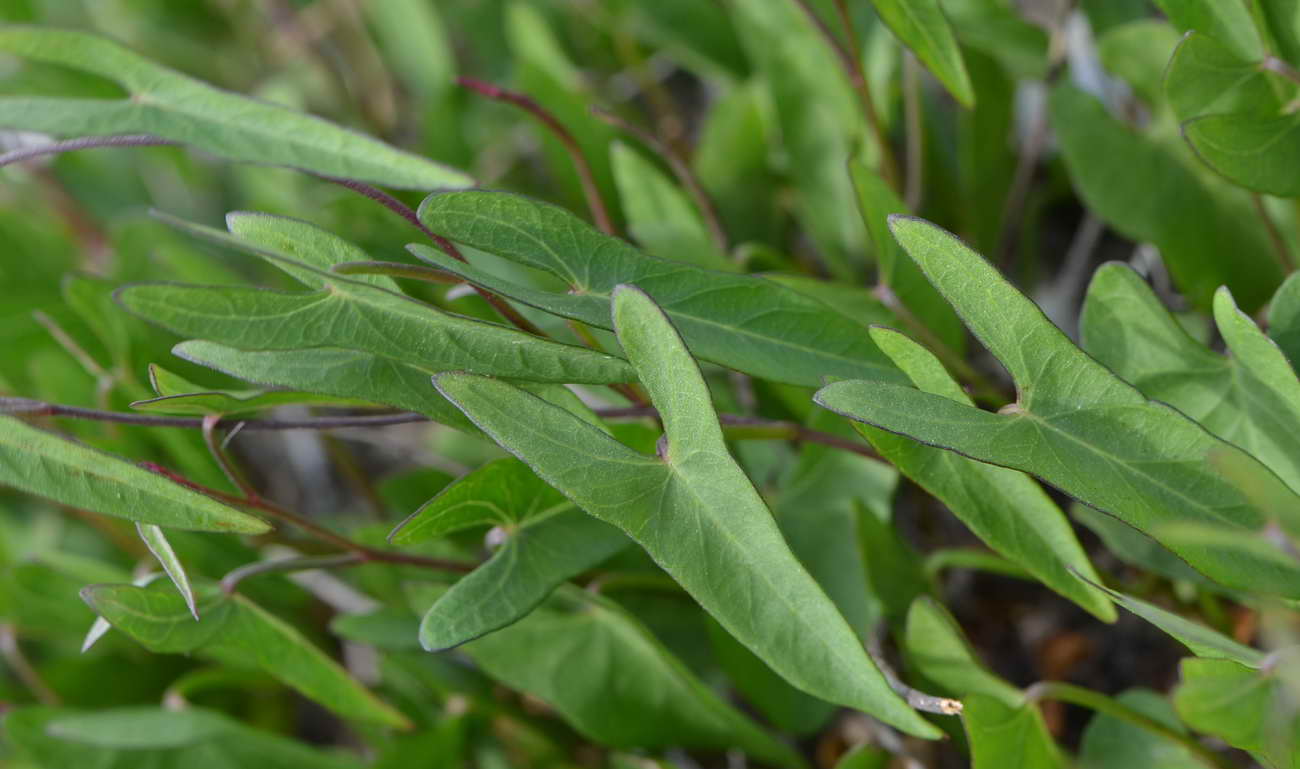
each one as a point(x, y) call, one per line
point(546, 541)
point(1201, 640)
point(70, 473)
point(1075, 425)
point(922, 27)
point(1228, 23)
point(1138, 52)
point(237, 632)
point(615, 682)
point(1205, 77)
point(131, 737)
point(1147, 192)
point(1254, 710)
point(692, 509)
point(1250, 397)
point(165, 103)
point(536, 558)
point(784, 706)
point(1111, 742)
point(177, 395)
point(739, 321)
point(1254, 152)
point(1284, 318)
point(877, 201)
point(298, 242)
point(659, 215)
point(337, 373)
point(501, 493)
point(1004, 508)
point(1004, 735)
point(156, 541)
point(358, 316)
point(938, 650)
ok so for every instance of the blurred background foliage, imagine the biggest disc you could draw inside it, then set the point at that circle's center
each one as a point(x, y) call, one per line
point(1070, 156)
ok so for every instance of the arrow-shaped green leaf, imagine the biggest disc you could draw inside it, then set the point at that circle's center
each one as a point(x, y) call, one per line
point(692, 509)
point(1075, 424)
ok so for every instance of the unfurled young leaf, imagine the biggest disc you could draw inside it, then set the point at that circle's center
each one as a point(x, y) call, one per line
point(1075, 424)
point(236, 631)
point(545, 540)
point(692, 509)
point(614, 682)
point(76, 475)
point(172, 106)
point(156, 541)
point(1006, 509)
point(739, 321)
point(923, 28)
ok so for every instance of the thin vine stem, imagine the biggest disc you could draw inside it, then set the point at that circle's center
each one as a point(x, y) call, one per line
point(580, 163)
point(741, 427)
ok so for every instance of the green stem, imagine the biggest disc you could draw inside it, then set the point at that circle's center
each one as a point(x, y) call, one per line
point(1078, 695)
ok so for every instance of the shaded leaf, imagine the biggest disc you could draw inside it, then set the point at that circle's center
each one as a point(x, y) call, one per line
point(1144, 190)
point(922, 27)
point(615, 682)
point(820, 122)
point(165, 103)
point(1075, 425)
point(1254, 710)
point(131, 737)
point(659, 215)
point(1254, 152)
point(693, 510)
point(739, 321)
point(1003, 735)
point(939, 651)
point(237, 632)
point(1205, 77)
point(1111, 742)
point(897, 273)
point(1284, 318)
point(73, 474)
